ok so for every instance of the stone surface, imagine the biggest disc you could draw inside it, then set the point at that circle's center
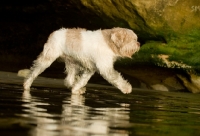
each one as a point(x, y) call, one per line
point(155, 78)
point(159, 87)
point(173, 83)
point(23, 73)
point(191, 82)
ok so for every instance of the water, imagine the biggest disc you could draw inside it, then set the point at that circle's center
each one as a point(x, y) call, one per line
point(100, 112)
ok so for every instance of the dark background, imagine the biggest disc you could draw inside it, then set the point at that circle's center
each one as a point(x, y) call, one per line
point(26, 24)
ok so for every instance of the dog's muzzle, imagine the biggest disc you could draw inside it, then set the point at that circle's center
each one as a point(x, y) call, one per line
point(138, 44)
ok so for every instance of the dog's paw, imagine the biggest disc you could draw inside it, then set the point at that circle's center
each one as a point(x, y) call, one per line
point(80, 91)
point(127, 89)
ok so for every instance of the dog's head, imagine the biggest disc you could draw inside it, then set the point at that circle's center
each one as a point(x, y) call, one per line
point(126, 41)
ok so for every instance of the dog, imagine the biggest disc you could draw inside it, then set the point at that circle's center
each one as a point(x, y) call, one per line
point(84, 53)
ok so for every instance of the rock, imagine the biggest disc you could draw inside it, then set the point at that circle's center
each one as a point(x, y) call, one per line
point(195, 80)
point(159, 87)
point(170, 64)
point(144, 86)
point(192, 83)
point(173, 83)
point(23, 72)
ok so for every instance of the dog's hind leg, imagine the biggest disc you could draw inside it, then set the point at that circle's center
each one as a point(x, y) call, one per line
point(81, 81)
point(44, 60)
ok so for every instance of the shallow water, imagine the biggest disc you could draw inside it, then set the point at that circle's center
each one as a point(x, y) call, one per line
point(99, 112)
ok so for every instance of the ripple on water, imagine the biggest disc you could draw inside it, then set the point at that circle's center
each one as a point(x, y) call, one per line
point(52, 112)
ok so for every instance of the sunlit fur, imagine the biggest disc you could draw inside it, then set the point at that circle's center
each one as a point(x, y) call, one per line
point(84, 53)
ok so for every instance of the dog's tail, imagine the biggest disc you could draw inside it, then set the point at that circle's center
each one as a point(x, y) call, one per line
point(49, 54)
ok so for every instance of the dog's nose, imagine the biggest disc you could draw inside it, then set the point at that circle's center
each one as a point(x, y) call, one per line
point(138, 44)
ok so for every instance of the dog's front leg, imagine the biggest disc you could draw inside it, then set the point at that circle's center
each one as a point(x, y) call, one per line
point(71, 72)
point(115, 78)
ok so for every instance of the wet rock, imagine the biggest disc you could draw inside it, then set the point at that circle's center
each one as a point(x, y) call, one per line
point(160, 87)
point(23, 72)
point(144, 86)
point(173, 83)
point(152, 77)
point(192, 83)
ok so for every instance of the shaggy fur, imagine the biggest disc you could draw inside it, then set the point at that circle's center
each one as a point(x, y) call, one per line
point(85, 52)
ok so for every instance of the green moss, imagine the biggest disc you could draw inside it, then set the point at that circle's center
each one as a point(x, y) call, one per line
point(183, 50)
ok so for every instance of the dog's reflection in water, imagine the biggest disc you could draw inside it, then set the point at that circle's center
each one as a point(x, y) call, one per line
point(76, 118)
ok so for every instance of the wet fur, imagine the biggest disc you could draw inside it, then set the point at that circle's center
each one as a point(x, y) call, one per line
point(84, 53)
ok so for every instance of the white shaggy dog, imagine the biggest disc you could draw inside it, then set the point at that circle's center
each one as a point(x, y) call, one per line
point(85, 52)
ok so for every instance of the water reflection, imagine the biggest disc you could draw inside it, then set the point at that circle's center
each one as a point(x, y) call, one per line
point(55, 112)
point(75, 118)
point(38, 116)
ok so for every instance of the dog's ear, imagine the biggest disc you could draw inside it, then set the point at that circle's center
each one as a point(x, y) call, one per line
point(118, 36)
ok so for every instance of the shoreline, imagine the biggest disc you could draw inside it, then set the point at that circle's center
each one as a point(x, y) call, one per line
point(12, 78)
